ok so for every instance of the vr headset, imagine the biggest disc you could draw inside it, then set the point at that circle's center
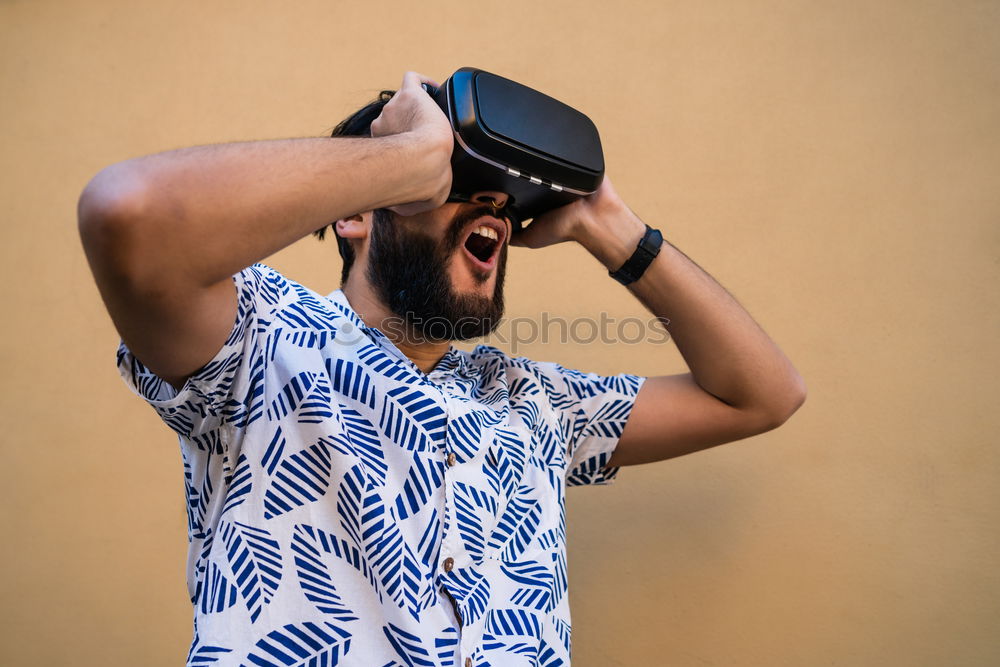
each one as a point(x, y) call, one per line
point(516, 140)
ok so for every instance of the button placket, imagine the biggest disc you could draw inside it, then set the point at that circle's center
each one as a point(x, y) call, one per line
point(451, 540)
point(448, 563)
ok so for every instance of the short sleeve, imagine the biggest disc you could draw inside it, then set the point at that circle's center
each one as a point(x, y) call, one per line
point(592, 410)
point(224, 389)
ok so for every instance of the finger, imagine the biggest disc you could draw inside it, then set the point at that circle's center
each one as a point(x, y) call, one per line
point(531, 236)
point(414, 79)
point(375, 129)
point(411, 80)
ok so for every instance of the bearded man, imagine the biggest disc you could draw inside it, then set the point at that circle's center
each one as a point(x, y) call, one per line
point(360, 491)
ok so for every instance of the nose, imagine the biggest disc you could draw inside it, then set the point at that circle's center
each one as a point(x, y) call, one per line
point(494, 198)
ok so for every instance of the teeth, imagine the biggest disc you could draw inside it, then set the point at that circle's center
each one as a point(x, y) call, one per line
point(488, 232)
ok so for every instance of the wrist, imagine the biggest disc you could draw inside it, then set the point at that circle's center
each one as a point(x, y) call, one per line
point(421, 167)
point(644, 254)
point(611, 235)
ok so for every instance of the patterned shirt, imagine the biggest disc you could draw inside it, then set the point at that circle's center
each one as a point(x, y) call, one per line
point(345, 508)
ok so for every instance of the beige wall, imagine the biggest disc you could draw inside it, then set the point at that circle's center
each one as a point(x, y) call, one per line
point(834, 164)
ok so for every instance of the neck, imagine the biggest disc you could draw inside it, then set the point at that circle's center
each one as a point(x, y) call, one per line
point(374, 313)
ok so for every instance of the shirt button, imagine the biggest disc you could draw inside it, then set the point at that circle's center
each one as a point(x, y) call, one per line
point(468, 662)
point(451, 459)
point(448, 564)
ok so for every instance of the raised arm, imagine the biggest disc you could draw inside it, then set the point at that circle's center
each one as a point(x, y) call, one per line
point(165, 233)
point(740, 383)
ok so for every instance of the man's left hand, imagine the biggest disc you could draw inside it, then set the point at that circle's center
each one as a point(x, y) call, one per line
point(601, 222)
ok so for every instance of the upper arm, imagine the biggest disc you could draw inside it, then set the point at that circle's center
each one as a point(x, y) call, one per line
point(169, 323)
point(673, 416)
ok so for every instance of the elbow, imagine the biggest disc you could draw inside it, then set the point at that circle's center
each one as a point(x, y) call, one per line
point(108, 213)
point(793, 400)
point(781, 404)
point(108, 200)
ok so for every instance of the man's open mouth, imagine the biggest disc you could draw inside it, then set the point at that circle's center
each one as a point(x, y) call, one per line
point(485, 239)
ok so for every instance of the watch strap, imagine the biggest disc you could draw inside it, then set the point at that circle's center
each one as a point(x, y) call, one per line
point(645, 252)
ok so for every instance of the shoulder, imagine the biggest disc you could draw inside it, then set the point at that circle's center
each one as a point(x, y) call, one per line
point(522, 375)
point(289, 304)
point(558, 380)
point(268, 283)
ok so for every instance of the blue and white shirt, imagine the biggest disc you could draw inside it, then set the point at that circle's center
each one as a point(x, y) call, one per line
point(345, 508)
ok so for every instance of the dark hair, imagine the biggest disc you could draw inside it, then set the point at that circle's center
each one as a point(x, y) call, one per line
point(358, 124)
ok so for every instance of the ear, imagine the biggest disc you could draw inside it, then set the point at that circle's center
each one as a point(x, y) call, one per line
point(355, 226)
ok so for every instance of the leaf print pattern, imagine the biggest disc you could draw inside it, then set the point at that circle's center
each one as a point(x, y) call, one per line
point(339, 500)
point(515, 631)
point(424, 478)
point(471, 591)
point(309, 546)
point(445, 646)
point(397, 571)
point(473, 508)
point(410, 418)
point(352, 381)
point(301, 478)
point(200, 654)
point(409, 647)
point(307, 395)
point(366, 443)
point(536, 585)
point(517, 526)
point(240, 484)
point(218, 593)
point(302, 645)
point(255, 560)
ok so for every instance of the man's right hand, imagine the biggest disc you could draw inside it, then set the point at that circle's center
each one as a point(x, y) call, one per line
point(413, 112)
point(165, 233)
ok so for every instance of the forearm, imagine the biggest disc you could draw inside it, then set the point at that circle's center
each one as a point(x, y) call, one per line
point(728, 354)
point(202, 214)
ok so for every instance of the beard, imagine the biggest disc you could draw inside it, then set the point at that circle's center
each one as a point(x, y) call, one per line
point(409, 272)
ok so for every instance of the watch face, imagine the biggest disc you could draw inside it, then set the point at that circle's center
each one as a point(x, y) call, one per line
point(652, 240)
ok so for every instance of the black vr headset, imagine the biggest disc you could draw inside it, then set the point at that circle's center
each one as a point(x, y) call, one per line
point(516, 140)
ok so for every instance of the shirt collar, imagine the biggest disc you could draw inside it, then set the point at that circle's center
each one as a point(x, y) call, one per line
point(340, 301)
point(454, 360)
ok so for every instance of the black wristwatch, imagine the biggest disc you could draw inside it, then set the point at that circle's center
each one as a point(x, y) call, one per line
point(648, 248)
